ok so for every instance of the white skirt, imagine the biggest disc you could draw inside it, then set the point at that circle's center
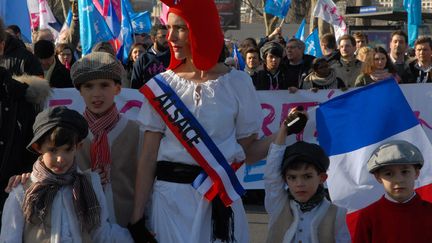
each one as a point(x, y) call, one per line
point(179, 214)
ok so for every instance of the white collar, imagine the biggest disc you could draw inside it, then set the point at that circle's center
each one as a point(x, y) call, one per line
point(392, 200)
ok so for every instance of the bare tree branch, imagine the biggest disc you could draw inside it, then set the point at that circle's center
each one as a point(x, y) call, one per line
point(253, 7)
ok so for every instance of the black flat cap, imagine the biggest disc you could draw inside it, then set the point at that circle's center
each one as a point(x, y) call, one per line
point(305, 152)
point(58, 116)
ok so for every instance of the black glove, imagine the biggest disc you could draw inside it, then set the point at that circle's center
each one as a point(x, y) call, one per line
point(296, 121)
point(140, 233)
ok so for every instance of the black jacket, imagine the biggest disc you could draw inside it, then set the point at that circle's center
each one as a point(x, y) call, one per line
point(60, 77)
point(18, 60)
point(20, 103)
point(147, 66)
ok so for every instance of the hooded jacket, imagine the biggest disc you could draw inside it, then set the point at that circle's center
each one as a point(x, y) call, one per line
point(19, 101)
point(18, 60)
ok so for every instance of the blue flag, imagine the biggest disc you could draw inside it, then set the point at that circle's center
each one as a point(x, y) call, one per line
point(141, 22)
point(301, 31)
point(312, 43)
point(240, 63)
point(16, 12)
point(126, 34)
point(93, 28)
point(277, 8)
point(413, 8)
point(68, 20)
point(113, 20)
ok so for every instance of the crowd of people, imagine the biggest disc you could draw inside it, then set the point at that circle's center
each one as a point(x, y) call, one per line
point(100, 177)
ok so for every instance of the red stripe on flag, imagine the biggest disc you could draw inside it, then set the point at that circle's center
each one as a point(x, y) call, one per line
point(217, 181)
point(425, 192)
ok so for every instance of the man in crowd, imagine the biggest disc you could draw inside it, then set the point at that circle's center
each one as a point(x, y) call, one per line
point(329, 48)
point(361, 39)
point(348, 67)
point(19, 102)
point(297, 63)
point(398, 47)
point(154, 61)
point(56, 74)
point(422, 66)
point(253, 63)
point(15, 57)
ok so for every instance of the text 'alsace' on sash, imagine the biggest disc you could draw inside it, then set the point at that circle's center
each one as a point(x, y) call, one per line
point(183, 124)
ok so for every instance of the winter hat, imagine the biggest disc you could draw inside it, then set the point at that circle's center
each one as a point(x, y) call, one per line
point(205, 33)
point(44, 49)
point(59, 116)
point(393, 153)
point(271, 47)
point(96, 65)
point(305, 152)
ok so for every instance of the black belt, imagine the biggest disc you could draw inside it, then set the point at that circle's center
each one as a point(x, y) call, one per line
point(222, 217)
point(177, 172)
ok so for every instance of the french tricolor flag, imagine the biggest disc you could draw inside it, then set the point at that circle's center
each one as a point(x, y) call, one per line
point(351, 126)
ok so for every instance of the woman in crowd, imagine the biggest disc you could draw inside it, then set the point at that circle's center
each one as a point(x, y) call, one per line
point(64, 54)
point(362, 53)
point(204, 86)
point(136, 50)
point(322, 77)
point(376, 67)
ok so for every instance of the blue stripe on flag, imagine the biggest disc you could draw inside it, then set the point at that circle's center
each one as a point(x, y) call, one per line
point(202, 133)
point(363, 117)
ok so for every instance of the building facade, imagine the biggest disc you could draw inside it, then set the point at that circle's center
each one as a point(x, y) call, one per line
point(389, 4)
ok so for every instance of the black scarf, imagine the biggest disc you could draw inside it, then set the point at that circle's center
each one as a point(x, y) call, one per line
point(314, 201)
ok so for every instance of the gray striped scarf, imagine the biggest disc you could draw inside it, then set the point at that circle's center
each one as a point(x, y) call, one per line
point(38, 198)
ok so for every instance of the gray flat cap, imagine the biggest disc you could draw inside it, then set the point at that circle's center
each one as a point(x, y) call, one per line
point(96, 65)
point(395, 152)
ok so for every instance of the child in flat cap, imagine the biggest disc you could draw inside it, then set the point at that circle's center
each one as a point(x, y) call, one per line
point(300, 213)
point(400, 215)
point(59, 203)
point(113, 145)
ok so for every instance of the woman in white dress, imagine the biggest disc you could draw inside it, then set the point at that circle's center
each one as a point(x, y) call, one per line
point(224, 102)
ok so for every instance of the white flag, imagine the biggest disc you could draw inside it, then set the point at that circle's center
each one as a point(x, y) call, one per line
point(327, 10)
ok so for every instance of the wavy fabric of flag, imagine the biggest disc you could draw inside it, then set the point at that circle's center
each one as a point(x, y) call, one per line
point(126, 34)
point(312, 43)
point(413, 8)
point(93, 28)
point(277, 8)
point(301, 31)
point(327, 11)
point(238, 58)
point(17, 12)
point(351, 126)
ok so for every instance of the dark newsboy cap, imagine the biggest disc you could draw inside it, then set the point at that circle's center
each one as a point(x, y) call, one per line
point(305, 152)
point(59, 116)
point(393, 153)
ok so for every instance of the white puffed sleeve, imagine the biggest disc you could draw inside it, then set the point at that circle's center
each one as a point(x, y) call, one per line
point(249, 117)
point(149, 119)
point(274, 185)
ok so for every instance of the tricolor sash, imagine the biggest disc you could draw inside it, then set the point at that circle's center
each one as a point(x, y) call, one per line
point(221, 177)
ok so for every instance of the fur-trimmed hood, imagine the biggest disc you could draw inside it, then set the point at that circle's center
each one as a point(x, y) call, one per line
point(38, 91)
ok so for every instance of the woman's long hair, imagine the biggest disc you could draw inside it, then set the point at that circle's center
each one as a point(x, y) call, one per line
point(368, 66)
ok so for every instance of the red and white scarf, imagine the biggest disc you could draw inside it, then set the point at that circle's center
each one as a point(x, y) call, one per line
point(100, 126)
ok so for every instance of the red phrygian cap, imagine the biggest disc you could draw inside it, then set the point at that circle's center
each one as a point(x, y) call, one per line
point(205, 33)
